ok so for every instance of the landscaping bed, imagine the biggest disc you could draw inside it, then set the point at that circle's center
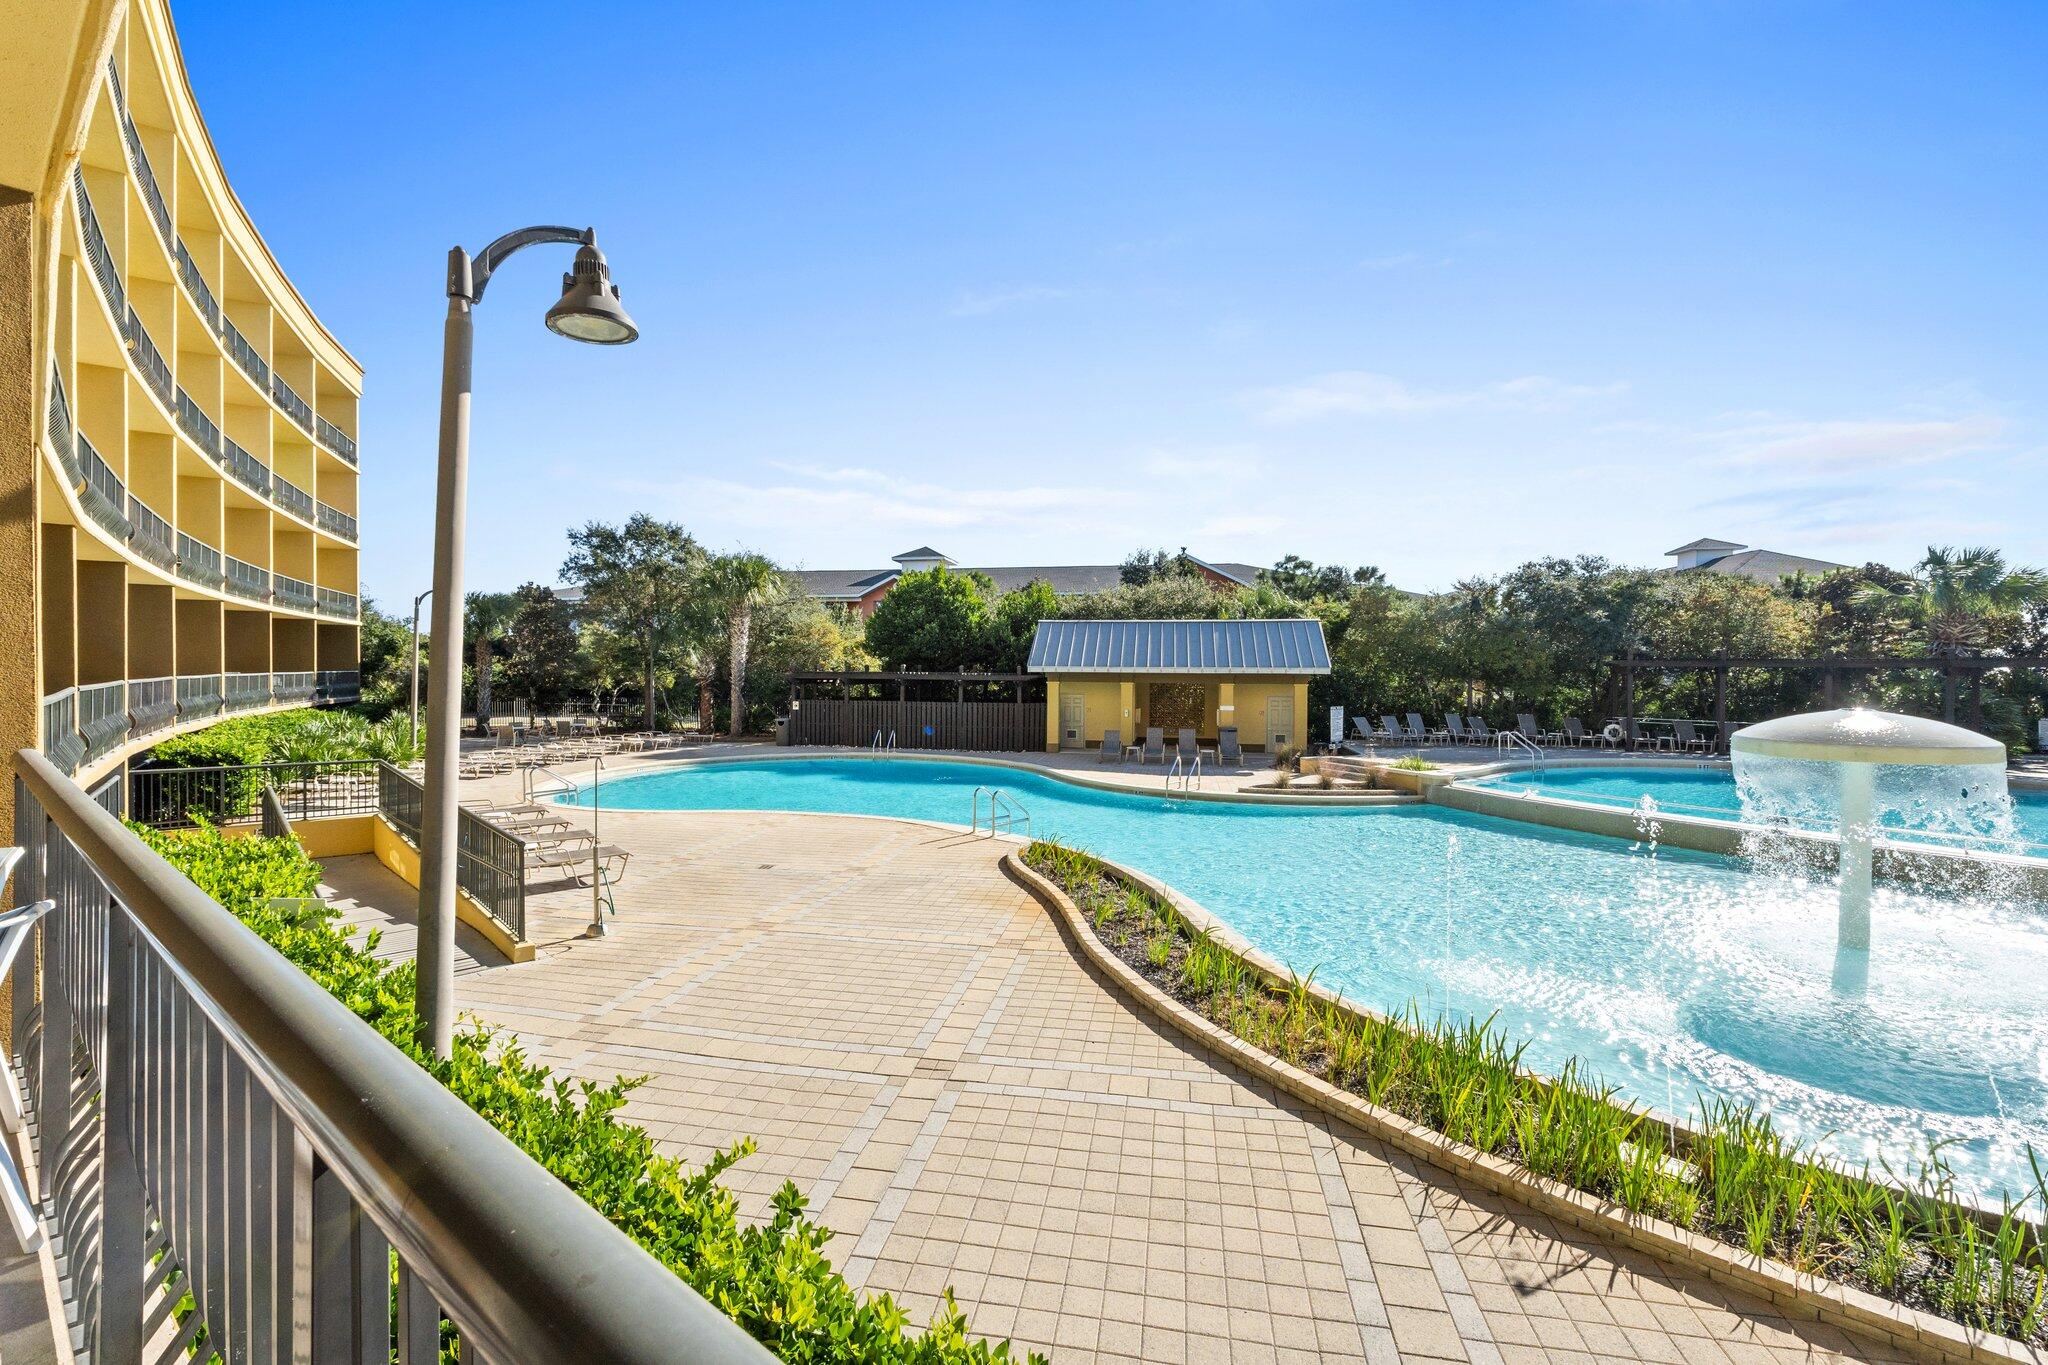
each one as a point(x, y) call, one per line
point(1728, 1176)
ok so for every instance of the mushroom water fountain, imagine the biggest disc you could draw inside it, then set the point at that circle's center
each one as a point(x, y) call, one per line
point(1850, 769)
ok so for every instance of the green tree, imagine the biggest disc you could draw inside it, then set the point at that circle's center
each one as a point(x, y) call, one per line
point(1013, 623)
point(735, 584)
point(1963, 601)
point(486, 616)
point(1305, 581)
point(1174, 597)
point(1150, 566)
point(932, 619)
point(384, 651)
point(641, 580)
point(544, 659)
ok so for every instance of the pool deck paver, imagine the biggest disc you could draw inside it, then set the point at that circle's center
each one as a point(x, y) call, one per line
point(965, 1103)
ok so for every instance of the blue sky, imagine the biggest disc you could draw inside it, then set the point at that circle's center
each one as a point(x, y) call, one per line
point(1435, 287)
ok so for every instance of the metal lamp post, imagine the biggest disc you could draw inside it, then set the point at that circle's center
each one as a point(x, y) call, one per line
point(412, 728)
point(589, 310)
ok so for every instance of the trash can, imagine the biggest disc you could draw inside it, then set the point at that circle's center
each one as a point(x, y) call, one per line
point(782, 731)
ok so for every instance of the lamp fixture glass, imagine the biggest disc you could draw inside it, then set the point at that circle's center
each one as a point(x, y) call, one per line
point(589, 309)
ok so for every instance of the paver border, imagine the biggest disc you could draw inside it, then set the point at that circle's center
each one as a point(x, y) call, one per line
point(1921, 1334)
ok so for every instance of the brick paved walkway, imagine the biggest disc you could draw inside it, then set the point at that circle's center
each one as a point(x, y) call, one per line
point(911, 1041)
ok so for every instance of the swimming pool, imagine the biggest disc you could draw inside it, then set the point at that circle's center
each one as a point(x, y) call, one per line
point(1673, 974)
point(1710, 792)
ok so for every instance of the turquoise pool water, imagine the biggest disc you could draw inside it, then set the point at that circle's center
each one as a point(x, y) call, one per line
point(1711, 792)
point(1673, 974)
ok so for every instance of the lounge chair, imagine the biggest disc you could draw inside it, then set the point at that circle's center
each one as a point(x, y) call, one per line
point(1576, 734)
point(571, 859)
point(1390, 731)
point(1187, 747)
point(1362, 728)
point(1684, 736)
point(1454, 729)
point(1421, 733)
point(1155, 746)
point(1228, 752)
point(1476, 727)
point(1639, 739)
point(1527, 728)
point(1112, 747)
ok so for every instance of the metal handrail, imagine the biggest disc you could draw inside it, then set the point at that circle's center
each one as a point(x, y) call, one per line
point(1190, 777)
point(1516, 739)
point(1004, 813)
point(454, 1197)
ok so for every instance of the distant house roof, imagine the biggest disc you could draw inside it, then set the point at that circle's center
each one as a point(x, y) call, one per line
point(1765, 566)
point(1291, 647)
point(1066, 580)
point(1704, 543)
point(922, 554)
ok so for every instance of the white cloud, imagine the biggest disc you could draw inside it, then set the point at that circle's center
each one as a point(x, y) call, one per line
point(970, 303)
point(1364, 393)
point(1862, 446)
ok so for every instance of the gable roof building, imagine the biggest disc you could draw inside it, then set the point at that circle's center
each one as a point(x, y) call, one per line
point(860, 589)
point(1725, 556)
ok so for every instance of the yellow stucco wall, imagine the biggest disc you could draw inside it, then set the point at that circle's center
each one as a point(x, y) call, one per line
point(1119, 702)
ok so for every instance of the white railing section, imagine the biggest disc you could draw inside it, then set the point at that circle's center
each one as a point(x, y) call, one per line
point(1005, 813)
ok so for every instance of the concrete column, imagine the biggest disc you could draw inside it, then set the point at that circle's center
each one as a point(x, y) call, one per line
point(1052, 715)
point(1299, 739)
point(20, 542)
point(1127, 710)
point(1226, 705)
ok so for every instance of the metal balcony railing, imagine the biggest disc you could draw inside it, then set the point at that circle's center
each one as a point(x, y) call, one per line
point(287, 591)
point(290, 496)
point(145, 176)
point(335, 520)
point(200, 695)
point(247, 691)
point(63, 435)
point(337, 603)
point(97, 253)
point(192, 419)
point(249, 471)
point(152, 704)
point(245, 579)
point(206, 1116)
point(288, 398)
point(104, 496)
point(337, 685)
point(171, 798)
point(334, 438)
point(120, 96)
point(103, 717)
point(199, 561)
point(287, 687)
point(195, 284)
point(148, 359)
point(150, 536)
point(61, 740)
point(490, 864)
point(245, 354)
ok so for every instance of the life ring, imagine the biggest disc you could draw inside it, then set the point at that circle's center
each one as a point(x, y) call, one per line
point(1612, 734)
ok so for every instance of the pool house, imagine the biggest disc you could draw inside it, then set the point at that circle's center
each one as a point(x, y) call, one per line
point(1128, 676)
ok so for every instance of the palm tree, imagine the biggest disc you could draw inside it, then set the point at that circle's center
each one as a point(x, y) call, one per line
point(737, 583)
point(1963, 601)
point(486, 617)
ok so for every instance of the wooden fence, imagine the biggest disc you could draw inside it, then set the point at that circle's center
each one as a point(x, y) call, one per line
point(973, 726)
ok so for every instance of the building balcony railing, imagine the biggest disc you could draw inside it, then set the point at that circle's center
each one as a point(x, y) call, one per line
point(103, 717)
point(192, 419)
point(245, 579)
point(245, 355)
point(145, 176)
point(103, 496)
point(152, 705)
point(247, 691)
point(290, 496)
point(288, 399)
point(63, 434)
point(287, 591)
point(337, 685)
point(290, 687)
point(150, 361)
point(120, 96)
point(200, 696)
point(61, 740)
point(335, 520)
point(247, 470)
point(334, 438)
point(195, 285)
point(150, 536)
point(97, 253)
point(199, 562)
point(362, 1198)
point(337, 603)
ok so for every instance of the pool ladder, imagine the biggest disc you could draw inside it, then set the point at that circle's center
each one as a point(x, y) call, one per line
point(1190, 776)
point(1515, 739)
point(1005, 813)
point(878, 744)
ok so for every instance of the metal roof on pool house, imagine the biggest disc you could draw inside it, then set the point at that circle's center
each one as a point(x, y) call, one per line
point(1263, 646)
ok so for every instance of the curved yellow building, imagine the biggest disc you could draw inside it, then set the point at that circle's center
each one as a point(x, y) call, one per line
point(178, 459)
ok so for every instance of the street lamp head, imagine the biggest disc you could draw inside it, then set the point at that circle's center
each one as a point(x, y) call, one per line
point(589, 309)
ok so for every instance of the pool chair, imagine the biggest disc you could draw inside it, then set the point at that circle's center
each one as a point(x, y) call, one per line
point(1421, 733)
point(1228, 752)
point(1639, 738)
point(1454, 728)
point(1576, 734)
point(1689, 739)
point(1476, 727)
point(1527, 728)
point(1155, 746)
point(1186, 747)
point(1112, 747)
point(1390, 731)
point(1362, 728)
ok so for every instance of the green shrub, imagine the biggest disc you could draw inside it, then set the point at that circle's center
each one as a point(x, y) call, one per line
point(1414, 764)
point(773, 1279)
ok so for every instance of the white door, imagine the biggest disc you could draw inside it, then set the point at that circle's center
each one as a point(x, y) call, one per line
point(1279, 723)
point(1072, 714)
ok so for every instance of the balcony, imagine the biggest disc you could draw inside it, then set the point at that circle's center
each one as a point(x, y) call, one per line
point(337, 685)
point(245, 355)
point(245, 579)
point(334, 438)
point(334, 603)
point(152, 705)
point(194, 422)
point(97, 254)
point(150, 361)
point(199, 562)
point(290, 496)
point(61, 740)
point(293, 592)
point(287, 398)
point(103, 496)
point(63, 434)
point(145, 176)
point(337, 521)
point(247, 470)
point(195, 285)
point(291, 687)
point(150, 536)
point(200, 696)
point(103, 717)
point(247, 691)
